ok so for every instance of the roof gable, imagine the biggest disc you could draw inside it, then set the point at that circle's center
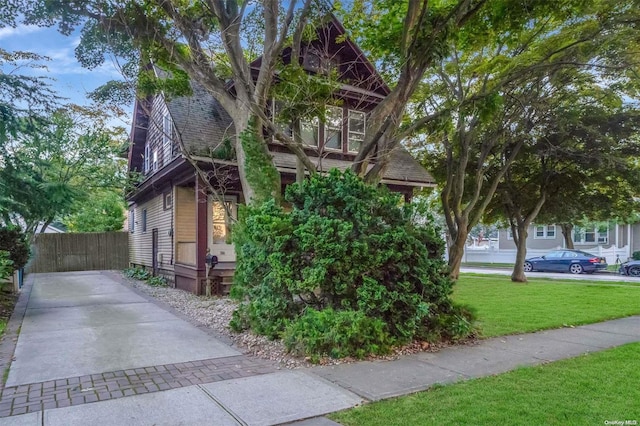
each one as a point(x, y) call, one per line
point(332, 42)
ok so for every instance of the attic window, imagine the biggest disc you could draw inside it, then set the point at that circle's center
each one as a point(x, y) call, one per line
point(319, 62)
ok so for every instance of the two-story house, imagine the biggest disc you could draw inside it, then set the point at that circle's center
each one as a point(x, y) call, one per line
point(174, 220)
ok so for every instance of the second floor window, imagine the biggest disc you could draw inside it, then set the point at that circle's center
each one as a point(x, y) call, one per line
point(545, 231)
point(342, 130)
point(147, 158)
point(167, 132)
point(310, 132)
point(333, 128)
point(356, 130)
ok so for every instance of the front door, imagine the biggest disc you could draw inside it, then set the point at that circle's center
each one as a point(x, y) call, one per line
point(221, 216)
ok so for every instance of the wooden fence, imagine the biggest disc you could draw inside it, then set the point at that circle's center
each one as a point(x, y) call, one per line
point(79, 252)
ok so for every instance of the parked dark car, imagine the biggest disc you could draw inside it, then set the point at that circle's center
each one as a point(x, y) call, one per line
point(631, 268)
point(574, 261)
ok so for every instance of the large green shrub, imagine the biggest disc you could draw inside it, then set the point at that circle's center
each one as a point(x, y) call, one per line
point(347, 246)
point(6, 265)
point(337, 334)
point(13, 240)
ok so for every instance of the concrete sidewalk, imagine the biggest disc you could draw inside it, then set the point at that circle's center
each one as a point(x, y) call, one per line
point(101, 368)
point(602, 276)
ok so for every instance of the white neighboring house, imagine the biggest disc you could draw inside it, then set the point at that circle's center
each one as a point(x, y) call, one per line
point(615, 242)
point(53, 228)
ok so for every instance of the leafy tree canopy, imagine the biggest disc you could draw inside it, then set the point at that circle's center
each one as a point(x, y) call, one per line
point(50, 166)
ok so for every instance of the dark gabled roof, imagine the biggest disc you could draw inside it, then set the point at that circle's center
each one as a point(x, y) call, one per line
point(203, 124)
point(403, 168)
point(200, 121)
point(358, 73)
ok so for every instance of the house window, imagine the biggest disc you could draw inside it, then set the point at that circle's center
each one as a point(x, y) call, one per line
point(320, 62)
point(356, 130)
point(168, 200)
point(544, 232)
point(154, 164)
point(591, 234)
point(167, 132)
point(309, 132)
point(222, 215)
point(280, 123)
point(132, 220)
point(333, 128)
point(144, 220)
point(147, 158)
point(551, 231)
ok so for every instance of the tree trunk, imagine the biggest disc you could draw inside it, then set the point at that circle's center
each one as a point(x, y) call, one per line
point(241, 123)
point(518, 275)
point(297, 138)
point(456, 252)
point(46, 225)
point(259, 177)
point(567, 231)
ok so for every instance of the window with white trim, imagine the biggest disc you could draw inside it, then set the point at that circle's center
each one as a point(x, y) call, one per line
point(544, 232)
point(356, 130)
point(310, 131)
point(167, 132)
point(147, 158)
point(591, 235)
point(168, 200)
point(333, 128)
point(132, 220)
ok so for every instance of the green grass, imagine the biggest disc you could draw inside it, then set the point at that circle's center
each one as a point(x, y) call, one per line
point(504, 307)
point(3, 325)
point(581, 391)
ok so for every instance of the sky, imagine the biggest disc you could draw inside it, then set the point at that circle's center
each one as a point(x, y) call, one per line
point(70, 79)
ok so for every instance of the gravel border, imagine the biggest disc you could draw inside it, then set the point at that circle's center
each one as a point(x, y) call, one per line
point(214, 313)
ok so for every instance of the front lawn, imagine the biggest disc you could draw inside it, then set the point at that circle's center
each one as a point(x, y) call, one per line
point(504, 307)
point(587, 390)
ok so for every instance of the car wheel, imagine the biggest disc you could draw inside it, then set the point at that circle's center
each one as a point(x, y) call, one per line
point(528, 267)
point(634, 271)
point(575, 268)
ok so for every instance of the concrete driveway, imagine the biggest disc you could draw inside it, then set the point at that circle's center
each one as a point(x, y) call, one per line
point(83, 323)
point(91, 349)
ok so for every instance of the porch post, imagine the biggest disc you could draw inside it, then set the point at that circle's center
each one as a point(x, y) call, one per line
point(201, 231)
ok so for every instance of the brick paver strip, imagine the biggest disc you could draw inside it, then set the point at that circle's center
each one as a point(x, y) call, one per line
point(118, 384)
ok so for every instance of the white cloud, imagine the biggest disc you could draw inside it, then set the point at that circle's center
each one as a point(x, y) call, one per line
point(63, 61)
point(18, 31)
